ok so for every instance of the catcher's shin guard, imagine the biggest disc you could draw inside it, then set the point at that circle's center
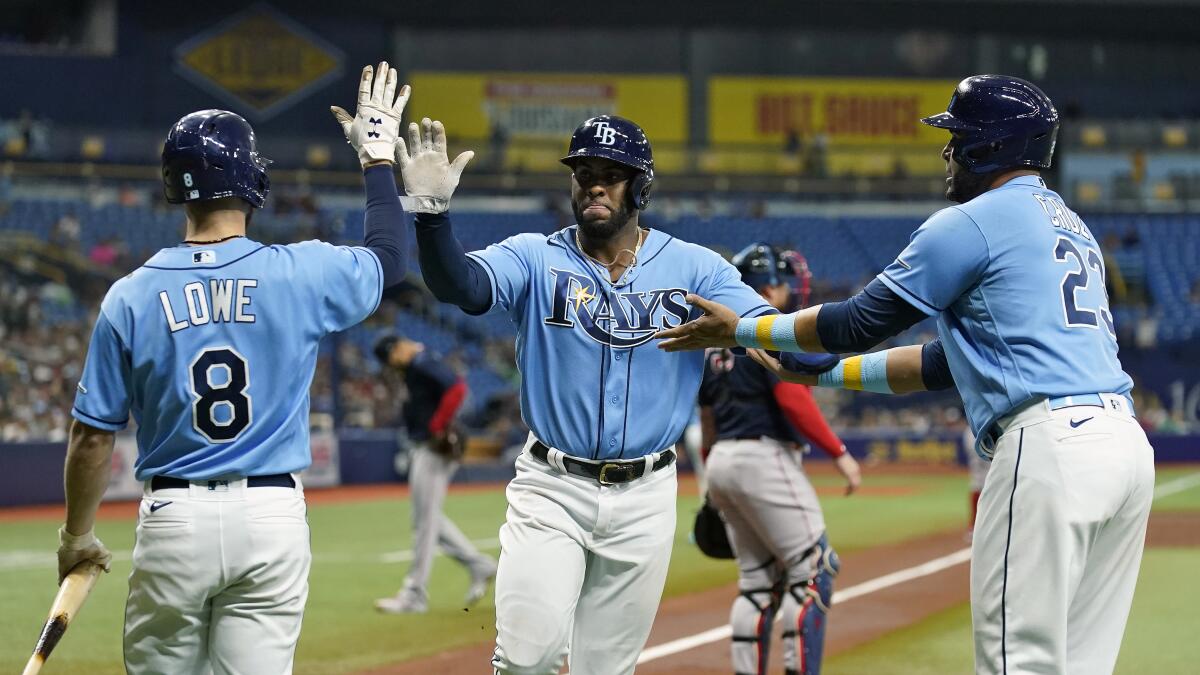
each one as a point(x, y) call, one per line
point(752, 617)
point(805, 608)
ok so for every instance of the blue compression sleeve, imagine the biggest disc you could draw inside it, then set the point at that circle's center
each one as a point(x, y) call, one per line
point(448, 272)
point(935, 369)
point(873, 315)
point(384, 231)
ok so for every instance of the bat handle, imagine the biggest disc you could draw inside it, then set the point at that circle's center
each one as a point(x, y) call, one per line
point(34, 666)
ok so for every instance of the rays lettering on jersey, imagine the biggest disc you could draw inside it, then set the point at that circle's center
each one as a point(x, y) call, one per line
point(223, 300)
point(621, 320)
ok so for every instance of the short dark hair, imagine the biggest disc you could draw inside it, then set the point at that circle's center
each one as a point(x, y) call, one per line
point(383, 348)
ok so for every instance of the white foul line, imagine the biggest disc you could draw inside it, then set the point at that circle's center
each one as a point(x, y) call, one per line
point(1178, 485)
point(925, 569)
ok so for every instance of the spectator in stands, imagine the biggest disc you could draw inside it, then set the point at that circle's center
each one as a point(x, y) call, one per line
point(816, 165)
point(1195, 294)
point(498, 142)
point(64, 234)
point(110, 252)
point(6, 186)
point(1114, 280)
point(793, 142)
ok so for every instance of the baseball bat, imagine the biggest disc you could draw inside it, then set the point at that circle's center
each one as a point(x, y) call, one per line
point(74, 590)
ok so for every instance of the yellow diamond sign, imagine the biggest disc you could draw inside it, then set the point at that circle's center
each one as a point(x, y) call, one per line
point(259, 59)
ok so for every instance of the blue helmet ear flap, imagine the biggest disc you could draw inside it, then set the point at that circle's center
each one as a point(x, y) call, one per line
point(639, 189)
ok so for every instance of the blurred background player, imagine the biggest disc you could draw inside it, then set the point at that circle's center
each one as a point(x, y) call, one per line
point(977, 471)
point(435, 394)
point(756, 426)
point(212, 345)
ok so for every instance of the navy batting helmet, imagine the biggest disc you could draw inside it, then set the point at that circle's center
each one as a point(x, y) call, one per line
point(622, 141)
point(761, 264)
point(1003, 122)
point(211, 154)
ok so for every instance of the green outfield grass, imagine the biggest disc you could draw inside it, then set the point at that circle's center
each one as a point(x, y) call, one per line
point(343, 633)
point(1159, 637)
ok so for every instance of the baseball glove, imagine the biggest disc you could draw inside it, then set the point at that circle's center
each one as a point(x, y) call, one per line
point(451, 444)
point(709, 532)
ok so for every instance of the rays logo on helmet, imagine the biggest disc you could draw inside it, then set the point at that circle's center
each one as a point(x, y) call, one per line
point(605, 134)
point(620, 320)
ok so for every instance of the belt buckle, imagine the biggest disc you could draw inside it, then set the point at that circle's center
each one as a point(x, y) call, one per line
point(604, 469)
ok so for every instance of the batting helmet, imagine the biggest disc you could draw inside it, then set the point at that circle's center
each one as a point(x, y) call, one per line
point(211, 154)
point(1003, 122)
point(622, 141)
point(761, 264)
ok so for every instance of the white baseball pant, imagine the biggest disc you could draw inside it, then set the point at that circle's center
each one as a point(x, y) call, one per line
point(1059, 538)
point(582, 569)
point(219, 582)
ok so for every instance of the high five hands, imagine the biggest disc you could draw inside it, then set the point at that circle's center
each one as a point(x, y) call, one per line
point(375, 126)
point(714, 329)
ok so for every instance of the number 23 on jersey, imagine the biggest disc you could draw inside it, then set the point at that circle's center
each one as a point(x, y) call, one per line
point(1077, 280)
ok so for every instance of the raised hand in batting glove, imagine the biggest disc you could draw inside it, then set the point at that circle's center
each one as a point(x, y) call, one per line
point(74, 549)
point(375, 126)
point(429, 176)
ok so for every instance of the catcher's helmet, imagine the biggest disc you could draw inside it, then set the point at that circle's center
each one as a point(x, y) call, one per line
point(761, 264)
point(798, 276)
point(1003, 122)
point(622, 141)
point(211, 154)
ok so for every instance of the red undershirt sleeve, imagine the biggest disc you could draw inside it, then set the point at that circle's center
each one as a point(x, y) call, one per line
point(452, 398)
point(800, 408)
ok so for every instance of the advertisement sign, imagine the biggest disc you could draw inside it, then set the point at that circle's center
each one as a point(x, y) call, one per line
point(259, 60)
point(767, 110)
point(548, 107)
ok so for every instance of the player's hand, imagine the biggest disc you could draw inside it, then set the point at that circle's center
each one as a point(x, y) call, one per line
point(774, 366)
point(429, 176)
point(375, 126)
point(73, 549)
point(714, 329)
point(848, 467)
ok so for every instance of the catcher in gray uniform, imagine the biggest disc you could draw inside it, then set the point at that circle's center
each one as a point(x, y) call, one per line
point(755, 424)
point(434, 396)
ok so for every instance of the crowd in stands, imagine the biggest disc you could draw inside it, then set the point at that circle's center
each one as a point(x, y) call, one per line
point(49, 298)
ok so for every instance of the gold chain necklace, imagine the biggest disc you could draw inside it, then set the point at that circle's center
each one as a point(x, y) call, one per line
point(609, 265)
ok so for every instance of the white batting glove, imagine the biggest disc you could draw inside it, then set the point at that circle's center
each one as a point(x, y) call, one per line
point(74, 549)
point(429, 176)
point(375, 127)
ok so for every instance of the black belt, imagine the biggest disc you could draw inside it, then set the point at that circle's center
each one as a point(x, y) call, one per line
point(273, 480)
point(604, 472)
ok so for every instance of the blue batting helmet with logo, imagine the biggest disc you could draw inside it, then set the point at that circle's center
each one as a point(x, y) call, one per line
point(211, 154)
point(622, 141)
point(1001, 123)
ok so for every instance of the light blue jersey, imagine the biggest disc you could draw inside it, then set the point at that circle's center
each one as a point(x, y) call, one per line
point(1017, 283)
point(593, 383)
point(213, 350)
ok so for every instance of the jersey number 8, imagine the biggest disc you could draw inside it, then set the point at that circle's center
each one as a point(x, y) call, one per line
point(221, 408)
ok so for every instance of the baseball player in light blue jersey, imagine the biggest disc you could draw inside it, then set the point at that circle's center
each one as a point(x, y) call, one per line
point(211, 346)
point(1016, 281)
point(591, 512)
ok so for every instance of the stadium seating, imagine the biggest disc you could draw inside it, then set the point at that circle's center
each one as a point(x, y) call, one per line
point(845, 251)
